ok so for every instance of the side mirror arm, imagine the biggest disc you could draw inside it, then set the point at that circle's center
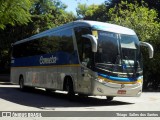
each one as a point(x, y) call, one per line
point(93, 41)
point(150, 48)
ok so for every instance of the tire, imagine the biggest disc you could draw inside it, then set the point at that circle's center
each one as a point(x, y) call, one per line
point(49, 90)
point(69, 88)
point(82, 95)
point(109, 98)
point(21, 83)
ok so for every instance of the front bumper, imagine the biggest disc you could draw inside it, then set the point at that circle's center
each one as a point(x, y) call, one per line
point(103, 88)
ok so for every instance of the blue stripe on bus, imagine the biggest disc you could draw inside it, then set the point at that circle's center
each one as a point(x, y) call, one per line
point(118, 78)
point(59, 58)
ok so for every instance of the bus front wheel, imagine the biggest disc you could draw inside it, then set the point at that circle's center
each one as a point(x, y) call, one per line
point(69, 88)
point(49, 90)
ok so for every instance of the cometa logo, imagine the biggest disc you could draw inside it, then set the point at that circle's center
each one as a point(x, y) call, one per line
point(48, 60)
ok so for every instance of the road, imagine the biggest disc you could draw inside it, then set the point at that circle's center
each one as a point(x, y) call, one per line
point(12, 99)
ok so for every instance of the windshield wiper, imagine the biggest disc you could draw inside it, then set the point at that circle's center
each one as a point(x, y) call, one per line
point(104, 66)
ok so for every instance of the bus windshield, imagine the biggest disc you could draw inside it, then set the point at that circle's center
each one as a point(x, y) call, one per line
point(118, 54)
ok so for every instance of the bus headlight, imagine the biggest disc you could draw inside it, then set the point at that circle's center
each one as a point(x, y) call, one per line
point(101, 80)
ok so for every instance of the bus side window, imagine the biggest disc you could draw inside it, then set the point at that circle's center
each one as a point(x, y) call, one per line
point(66, 41)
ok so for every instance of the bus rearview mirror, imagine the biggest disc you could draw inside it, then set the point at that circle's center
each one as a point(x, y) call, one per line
point(93, 41)
point(150, 48)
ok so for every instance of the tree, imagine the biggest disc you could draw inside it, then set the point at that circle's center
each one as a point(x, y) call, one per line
point(49, 13)
point(140, 18)
point(92, 12)
point(14, 12)
point(144, 21)
point(152, 4)
point(44, 14)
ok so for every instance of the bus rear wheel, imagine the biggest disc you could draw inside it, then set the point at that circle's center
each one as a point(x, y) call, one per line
point(109, 98)
point(21, 83)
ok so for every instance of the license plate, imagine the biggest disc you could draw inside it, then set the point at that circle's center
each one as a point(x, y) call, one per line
point(121, 92)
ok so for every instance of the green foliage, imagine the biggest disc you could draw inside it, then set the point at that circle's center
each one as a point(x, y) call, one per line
point(140, 18)
point(152, 4)
point(23, 18)
point(81, 10)
point(146, 24)
point(14, 12)
point(92, 12)
point(47, 14)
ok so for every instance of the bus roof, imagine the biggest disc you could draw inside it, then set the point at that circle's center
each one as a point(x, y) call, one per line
point(85, 23)
point(110, 27)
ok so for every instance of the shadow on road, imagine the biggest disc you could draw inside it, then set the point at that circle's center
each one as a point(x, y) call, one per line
point(41, 99)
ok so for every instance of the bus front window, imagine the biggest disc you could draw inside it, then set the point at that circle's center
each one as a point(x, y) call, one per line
point(107, 51)
point(107, 47)
point(118, 54)
point(130, 49)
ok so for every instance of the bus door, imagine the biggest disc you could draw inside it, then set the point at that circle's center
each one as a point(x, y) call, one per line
point(85, 59)
point(86, 65)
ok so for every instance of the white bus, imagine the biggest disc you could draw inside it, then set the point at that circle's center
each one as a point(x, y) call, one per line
point(81, 57)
